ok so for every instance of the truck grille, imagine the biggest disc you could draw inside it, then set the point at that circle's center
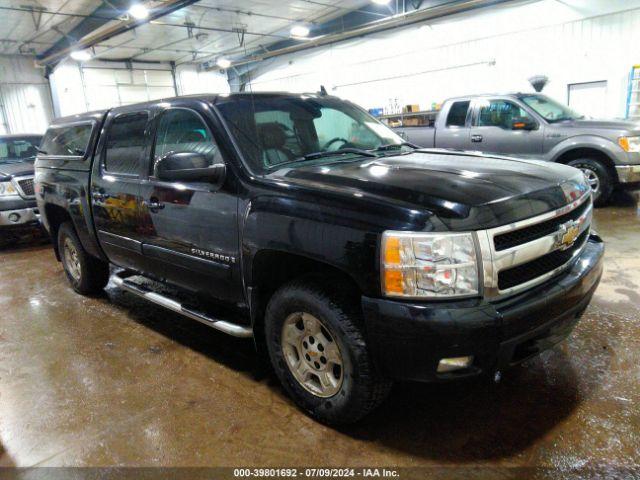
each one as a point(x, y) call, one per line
point(540, 266)
point(26, 186)
point(521, 255)
point(539, 230)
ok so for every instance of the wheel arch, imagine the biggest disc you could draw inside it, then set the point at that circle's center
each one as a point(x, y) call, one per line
point(56, 216)
point(270, 269)
point(589, 152)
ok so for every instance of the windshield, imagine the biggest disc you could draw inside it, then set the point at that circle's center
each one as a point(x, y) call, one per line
point(551, 110)
point(275, 130)
point(17, 149)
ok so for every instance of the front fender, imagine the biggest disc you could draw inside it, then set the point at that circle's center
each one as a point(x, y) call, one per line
point(599, 143)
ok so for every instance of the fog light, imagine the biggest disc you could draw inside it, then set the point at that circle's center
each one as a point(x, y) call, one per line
point(454, 363)
point(14, 217)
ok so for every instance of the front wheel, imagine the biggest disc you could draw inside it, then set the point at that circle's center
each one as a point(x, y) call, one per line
point(86, 274)
point(317, 348)
point(599, 178)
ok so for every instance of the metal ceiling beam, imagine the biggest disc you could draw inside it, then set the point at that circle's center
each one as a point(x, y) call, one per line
point(389, 23)
point(102, 34)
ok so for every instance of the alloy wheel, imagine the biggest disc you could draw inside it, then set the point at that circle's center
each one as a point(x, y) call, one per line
point(72, 259)
point(312, 354)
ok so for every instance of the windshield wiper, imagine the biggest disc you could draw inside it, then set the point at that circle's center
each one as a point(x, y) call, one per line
point(395, 146)
point(332, 153)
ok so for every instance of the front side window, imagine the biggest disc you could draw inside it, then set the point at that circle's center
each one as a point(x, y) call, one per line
point(71, 141)
point(458, 114)
point(500, 113)
point(275, 130)
point(17, 149)
point(125, 144)
point(183, 131)
point(549, 109)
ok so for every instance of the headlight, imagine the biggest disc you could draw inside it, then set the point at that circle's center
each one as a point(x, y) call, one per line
point(7, 189)
point(630, 144)
point(429, 264)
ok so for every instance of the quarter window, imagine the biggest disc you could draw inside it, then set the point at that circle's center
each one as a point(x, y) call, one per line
point(500, 113)
point(183, 131)
point(125, 144)
point(458, 114)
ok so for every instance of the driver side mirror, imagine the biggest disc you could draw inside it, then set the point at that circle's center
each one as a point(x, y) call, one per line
point(523, 123)
point(189, 167)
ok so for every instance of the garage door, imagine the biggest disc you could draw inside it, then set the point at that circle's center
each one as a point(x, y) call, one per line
point(589, 98)
point(107, 87)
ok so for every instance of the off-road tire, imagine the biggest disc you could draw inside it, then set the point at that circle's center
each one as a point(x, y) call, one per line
point(92, 274)
point(362, 389)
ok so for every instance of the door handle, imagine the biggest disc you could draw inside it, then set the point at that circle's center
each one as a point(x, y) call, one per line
point(153, 205)
point(476, 138)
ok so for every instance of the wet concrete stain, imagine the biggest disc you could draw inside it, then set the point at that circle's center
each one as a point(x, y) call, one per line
point(112, 380)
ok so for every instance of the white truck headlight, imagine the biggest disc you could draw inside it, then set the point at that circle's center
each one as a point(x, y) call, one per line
point(424, 265)
point(630, 144)
point(7, 189)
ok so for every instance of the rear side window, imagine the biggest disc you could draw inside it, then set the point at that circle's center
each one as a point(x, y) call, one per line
point(458, 114)
point(125, 143)
point(69, 141)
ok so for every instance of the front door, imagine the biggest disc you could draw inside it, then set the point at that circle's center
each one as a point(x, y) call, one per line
point(115, 188)
point(492, 129)
point(191, 228)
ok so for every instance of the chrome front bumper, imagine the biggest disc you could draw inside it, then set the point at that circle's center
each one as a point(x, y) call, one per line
point(16, 218)
point(628, 173)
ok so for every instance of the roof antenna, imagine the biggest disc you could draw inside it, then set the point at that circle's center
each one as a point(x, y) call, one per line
point(323, 91)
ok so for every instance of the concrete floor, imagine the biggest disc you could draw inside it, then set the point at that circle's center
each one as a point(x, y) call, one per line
point(116, 381)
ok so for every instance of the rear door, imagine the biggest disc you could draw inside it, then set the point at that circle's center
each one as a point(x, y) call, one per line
point(453, 129)
point(115, 186)
point(191, 228)
point(492, 132)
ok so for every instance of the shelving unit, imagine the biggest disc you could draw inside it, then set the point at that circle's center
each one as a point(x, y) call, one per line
point(633, 94)
point(424, 118)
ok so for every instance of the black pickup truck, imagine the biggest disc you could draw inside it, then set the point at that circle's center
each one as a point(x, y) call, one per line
point(352, 257)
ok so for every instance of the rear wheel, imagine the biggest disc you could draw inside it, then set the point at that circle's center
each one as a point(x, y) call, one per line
point(317, 347)
point(86, 274)
point(599, 178)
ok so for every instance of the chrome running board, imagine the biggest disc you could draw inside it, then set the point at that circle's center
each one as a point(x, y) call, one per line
point(171, 304)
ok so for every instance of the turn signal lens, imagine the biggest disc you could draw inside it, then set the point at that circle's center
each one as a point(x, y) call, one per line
point(629, 144)
point(429, 264)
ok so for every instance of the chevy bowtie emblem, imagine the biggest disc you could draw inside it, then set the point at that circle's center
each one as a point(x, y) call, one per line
point(567, 234)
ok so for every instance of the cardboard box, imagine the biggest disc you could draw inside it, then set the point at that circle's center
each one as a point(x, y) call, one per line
point(411, 108)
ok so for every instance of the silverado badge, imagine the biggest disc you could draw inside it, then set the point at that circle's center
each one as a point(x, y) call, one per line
point(567, 234)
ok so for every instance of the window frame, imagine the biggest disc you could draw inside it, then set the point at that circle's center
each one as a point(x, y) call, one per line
point(108, 128)
point(92, 139)
point(476, 116)
point(467, 116)
point(150, 168)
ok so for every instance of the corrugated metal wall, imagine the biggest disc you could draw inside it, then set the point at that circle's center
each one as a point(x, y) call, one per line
point(490, 50)
point(25, 98)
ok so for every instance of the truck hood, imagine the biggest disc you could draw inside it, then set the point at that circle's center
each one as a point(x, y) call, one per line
point(618, 125)
point(465, 190)
point(16, 169)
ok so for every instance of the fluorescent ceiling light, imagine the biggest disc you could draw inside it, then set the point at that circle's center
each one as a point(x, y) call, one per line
point(139, 11)
point(223, 62)
point(299, 31)
point(381, 2)
point(81, 55)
